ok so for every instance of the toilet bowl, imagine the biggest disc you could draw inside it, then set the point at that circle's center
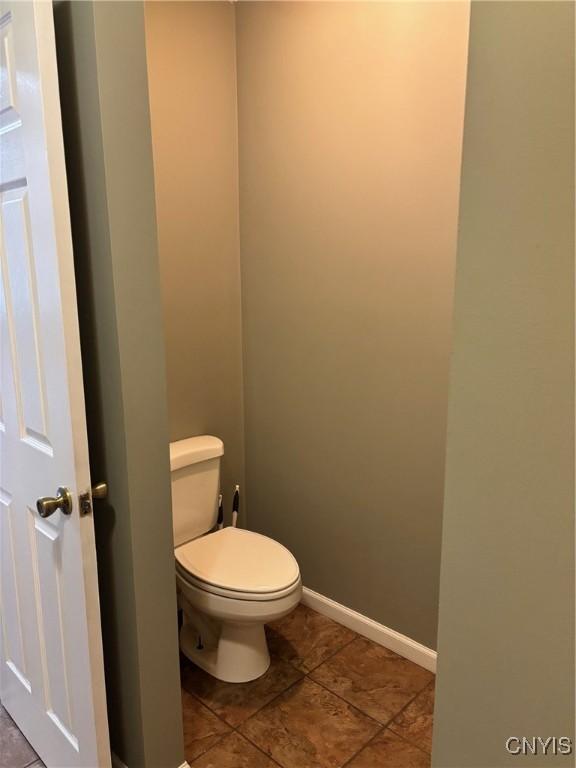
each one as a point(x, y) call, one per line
point(237, 581)
point(230, 582)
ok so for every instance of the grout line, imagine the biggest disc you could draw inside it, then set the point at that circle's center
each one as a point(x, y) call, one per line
point(220, 738)
point(408, 704)
point(390, 723)
point(362, 748)
point(410, 743)
point(335, 653)
point(348, 703)
point(32, 762)
point(258, 711)
point(252, 744)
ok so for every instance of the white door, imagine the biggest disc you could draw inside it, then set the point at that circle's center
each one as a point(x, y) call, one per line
point(51, 667)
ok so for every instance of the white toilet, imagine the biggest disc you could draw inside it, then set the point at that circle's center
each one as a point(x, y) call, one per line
point(230, 581)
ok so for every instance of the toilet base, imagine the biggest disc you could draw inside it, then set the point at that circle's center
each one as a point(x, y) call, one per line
point(239, 655)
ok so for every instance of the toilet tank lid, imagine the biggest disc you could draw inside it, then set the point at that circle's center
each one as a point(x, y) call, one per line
point(194, 449)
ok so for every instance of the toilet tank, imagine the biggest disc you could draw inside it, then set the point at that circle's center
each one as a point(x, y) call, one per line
point(195, 471)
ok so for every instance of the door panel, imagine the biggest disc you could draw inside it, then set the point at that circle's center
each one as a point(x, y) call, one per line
point(51, 667)
point(11, 604)
point(22, 301)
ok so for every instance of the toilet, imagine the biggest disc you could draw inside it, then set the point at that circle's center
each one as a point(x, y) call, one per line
point(230, 582)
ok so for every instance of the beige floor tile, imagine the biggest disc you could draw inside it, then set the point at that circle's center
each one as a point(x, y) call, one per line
point(390, 751)
point(372, 678)
point(309, 727)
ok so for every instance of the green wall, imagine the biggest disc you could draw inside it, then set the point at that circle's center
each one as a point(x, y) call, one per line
point(350, 135)
point(102, 67)
point(506, 637)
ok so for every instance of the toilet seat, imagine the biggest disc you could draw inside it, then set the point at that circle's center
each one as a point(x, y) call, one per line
point(238, 564)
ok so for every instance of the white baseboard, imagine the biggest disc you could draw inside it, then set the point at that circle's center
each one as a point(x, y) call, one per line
point(117, 763)
point(389, 638)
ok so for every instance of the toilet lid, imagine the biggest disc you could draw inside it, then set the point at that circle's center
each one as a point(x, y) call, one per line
point(239, 560)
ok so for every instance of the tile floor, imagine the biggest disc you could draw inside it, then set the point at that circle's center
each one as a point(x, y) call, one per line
point(330, 699)
point(15, 752)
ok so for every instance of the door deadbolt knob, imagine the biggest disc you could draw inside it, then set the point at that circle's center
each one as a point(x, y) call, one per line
point(47, 505)
point(100, 491)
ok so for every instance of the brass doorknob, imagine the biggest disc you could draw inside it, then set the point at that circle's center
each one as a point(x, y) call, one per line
point(47, 505)
point(100, 491)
